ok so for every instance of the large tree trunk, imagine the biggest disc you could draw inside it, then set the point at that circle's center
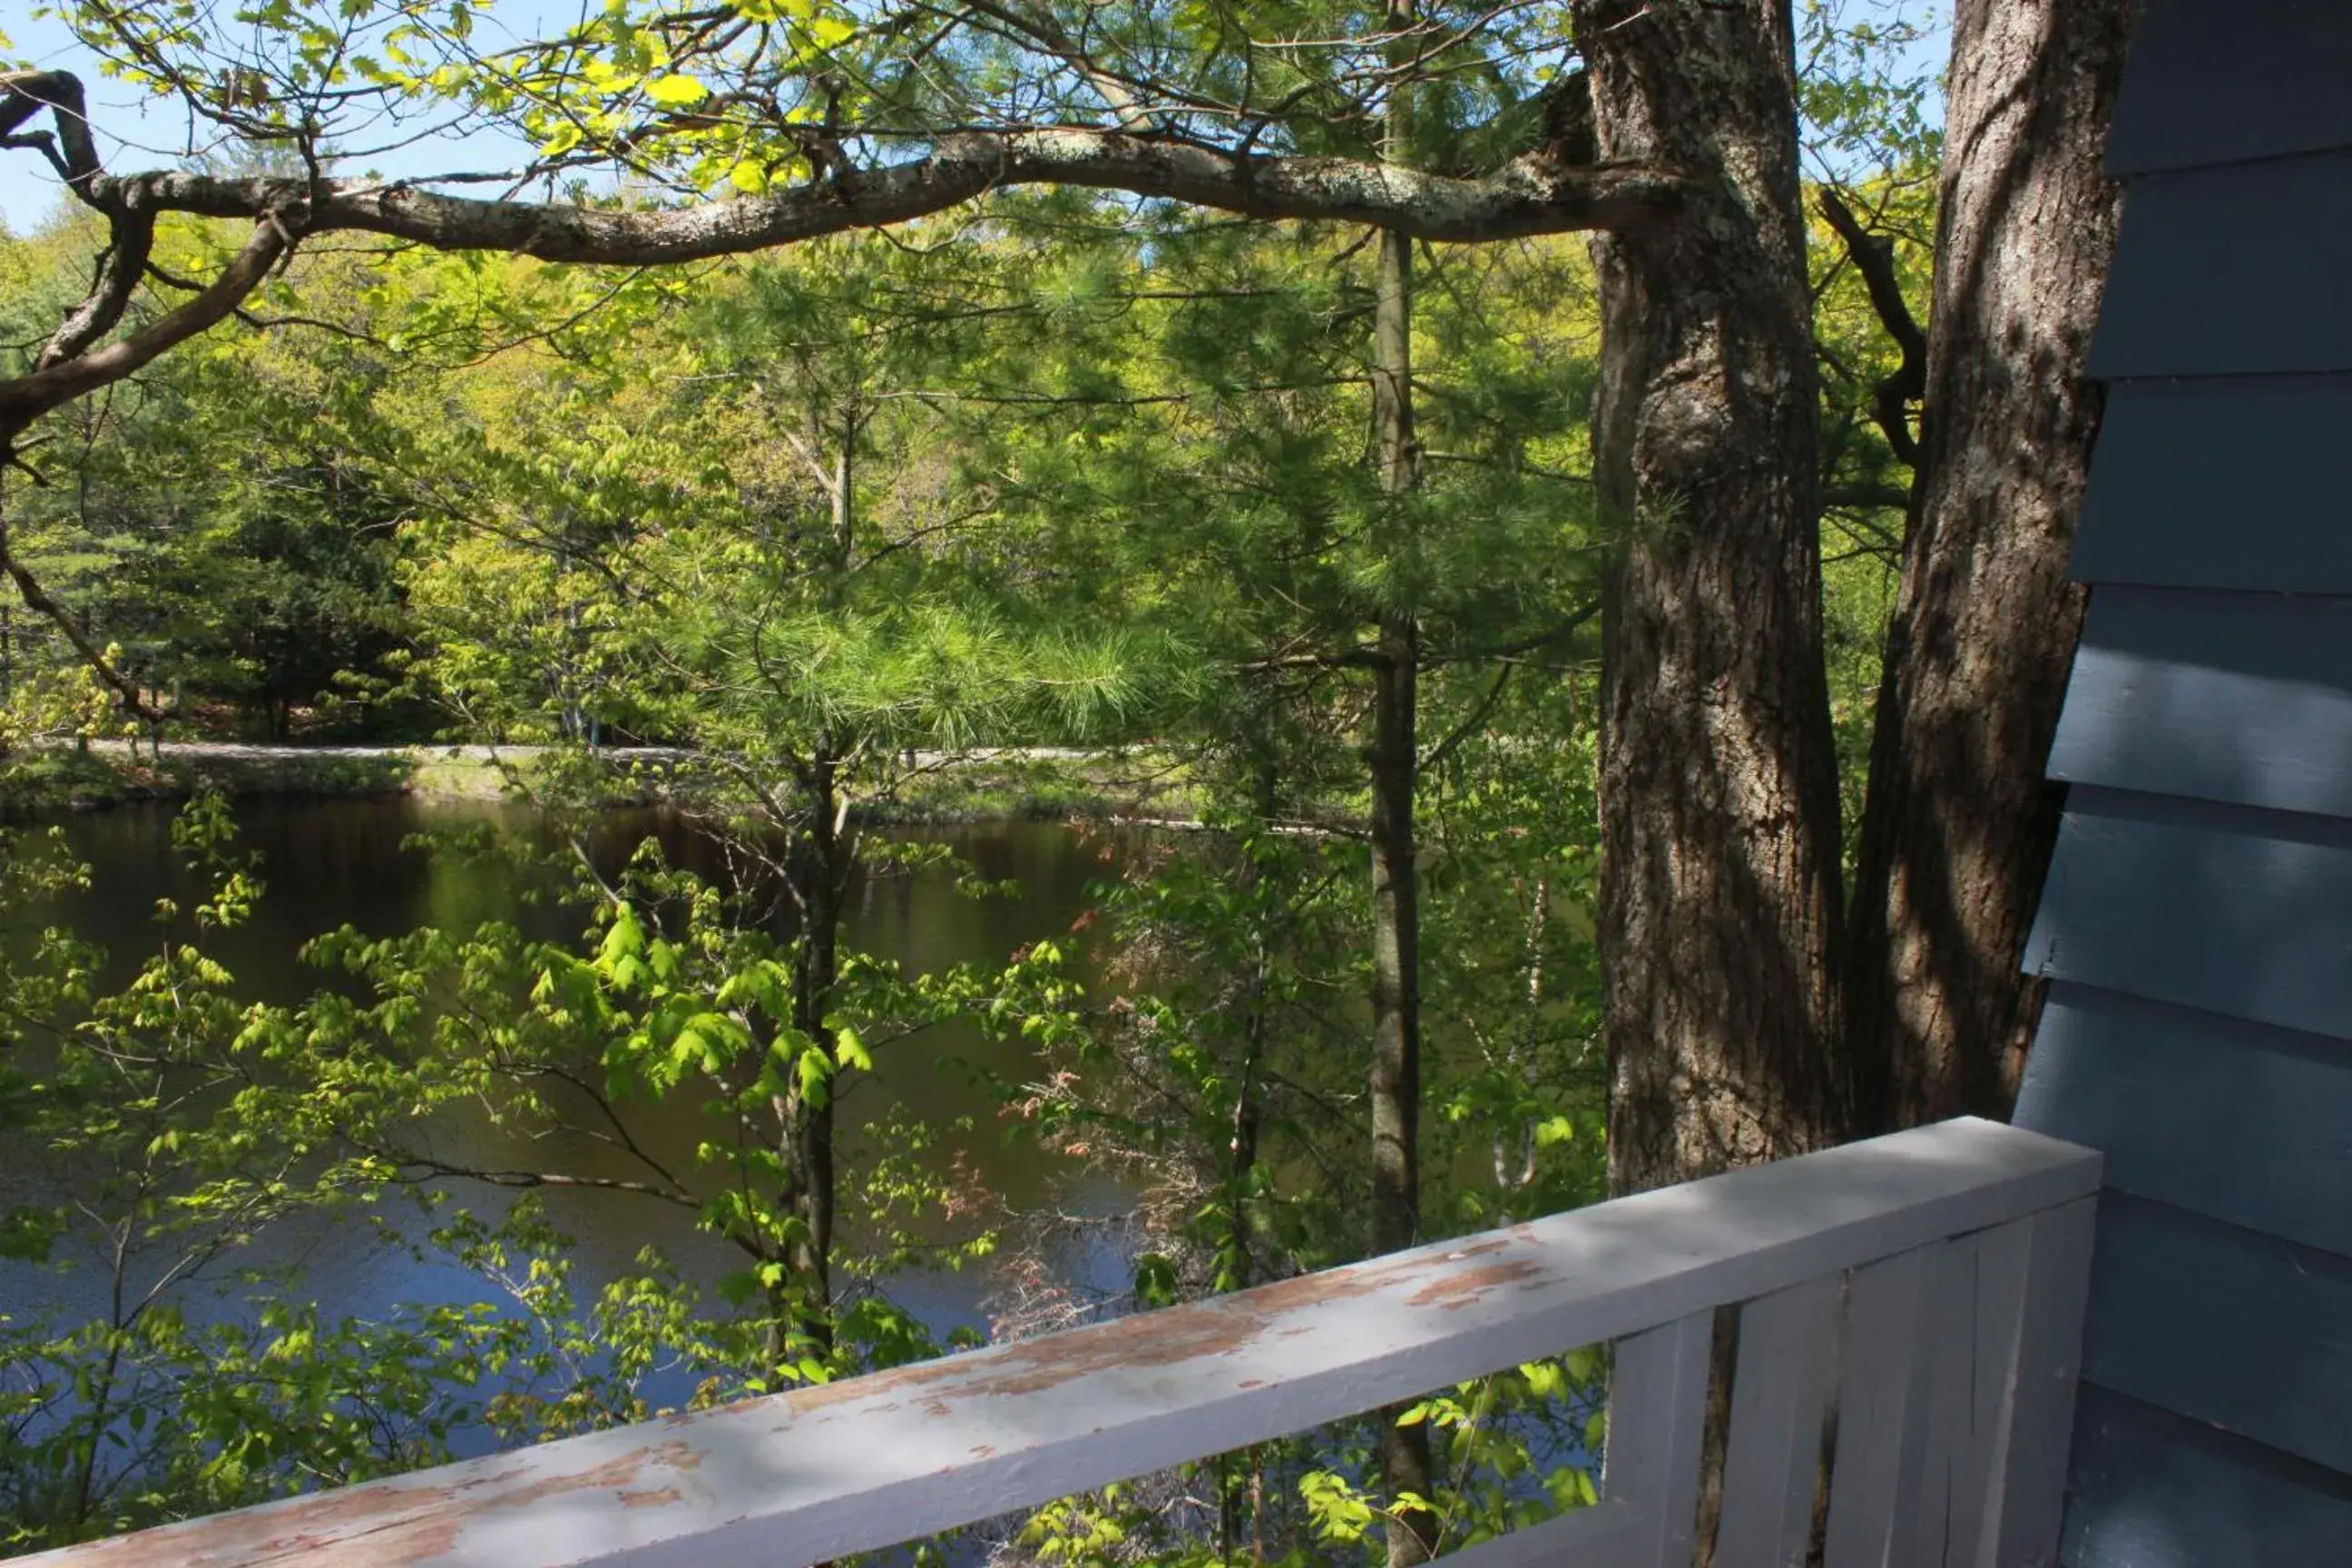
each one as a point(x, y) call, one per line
point(1719, 906)
point(1958, 827)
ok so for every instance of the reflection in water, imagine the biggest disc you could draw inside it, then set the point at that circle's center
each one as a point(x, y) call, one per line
point(327, 863)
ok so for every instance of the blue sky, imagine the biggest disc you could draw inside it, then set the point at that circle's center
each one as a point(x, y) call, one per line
point(137, 131)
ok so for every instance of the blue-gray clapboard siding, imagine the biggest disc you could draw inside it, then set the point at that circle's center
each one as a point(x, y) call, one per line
point(2228, 483)
point(2224, 909)
point(2224, 83)
point(2233, 270)
point(2197, 918)
point(2239, 699)
point(2214, 1115)
point(2269, 1322)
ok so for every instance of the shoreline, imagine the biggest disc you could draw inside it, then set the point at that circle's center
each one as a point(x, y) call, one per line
point(984, 784)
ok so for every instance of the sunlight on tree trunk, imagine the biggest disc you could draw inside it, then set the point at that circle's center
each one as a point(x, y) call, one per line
point(1960, 822)
point(1719, 927)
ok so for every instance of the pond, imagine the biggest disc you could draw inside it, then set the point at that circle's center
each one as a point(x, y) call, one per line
point(328, 862)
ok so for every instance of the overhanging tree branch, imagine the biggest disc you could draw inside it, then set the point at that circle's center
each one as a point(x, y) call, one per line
point(130, 227)
point(25, 398)
point(130, 239)
point(1528, 197)
point(1874, 258)
point(1534, 194)
point(70, 150)
point(1542, 192)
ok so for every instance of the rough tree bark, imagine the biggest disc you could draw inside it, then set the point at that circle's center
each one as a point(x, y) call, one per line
point(1959, 822)
point(1719, 906)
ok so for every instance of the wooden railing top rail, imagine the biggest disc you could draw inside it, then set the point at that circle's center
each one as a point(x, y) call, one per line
point(803, 1477)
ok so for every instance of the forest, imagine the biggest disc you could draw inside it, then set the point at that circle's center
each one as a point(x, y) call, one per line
point(1471, 525)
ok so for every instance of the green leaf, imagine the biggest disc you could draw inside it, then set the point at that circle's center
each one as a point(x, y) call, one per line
point(813, 1071)
point(676, 91)
point(1155, 1280)
point(625, 939)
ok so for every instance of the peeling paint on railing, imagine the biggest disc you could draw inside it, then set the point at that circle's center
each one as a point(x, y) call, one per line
point(816, 1473)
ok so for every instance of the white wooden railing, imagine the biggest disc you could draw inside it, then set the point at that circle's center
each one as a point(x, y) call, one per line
point(1929, 1286)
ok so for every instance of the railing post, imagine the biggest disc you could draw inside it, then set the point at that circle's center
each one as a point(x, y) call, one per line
point(1657, 1414)
point(2026, 1499)
point(1957, 1410)
point(1879, 1402)
point(1780, 1394)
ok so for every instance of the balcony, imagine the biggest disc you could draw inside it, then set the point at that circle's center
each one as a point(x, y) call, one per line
point(1928, 1288)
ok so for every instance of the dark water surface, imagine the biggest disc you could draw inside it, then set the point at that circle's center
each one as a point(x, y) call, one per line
point(329, 862)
